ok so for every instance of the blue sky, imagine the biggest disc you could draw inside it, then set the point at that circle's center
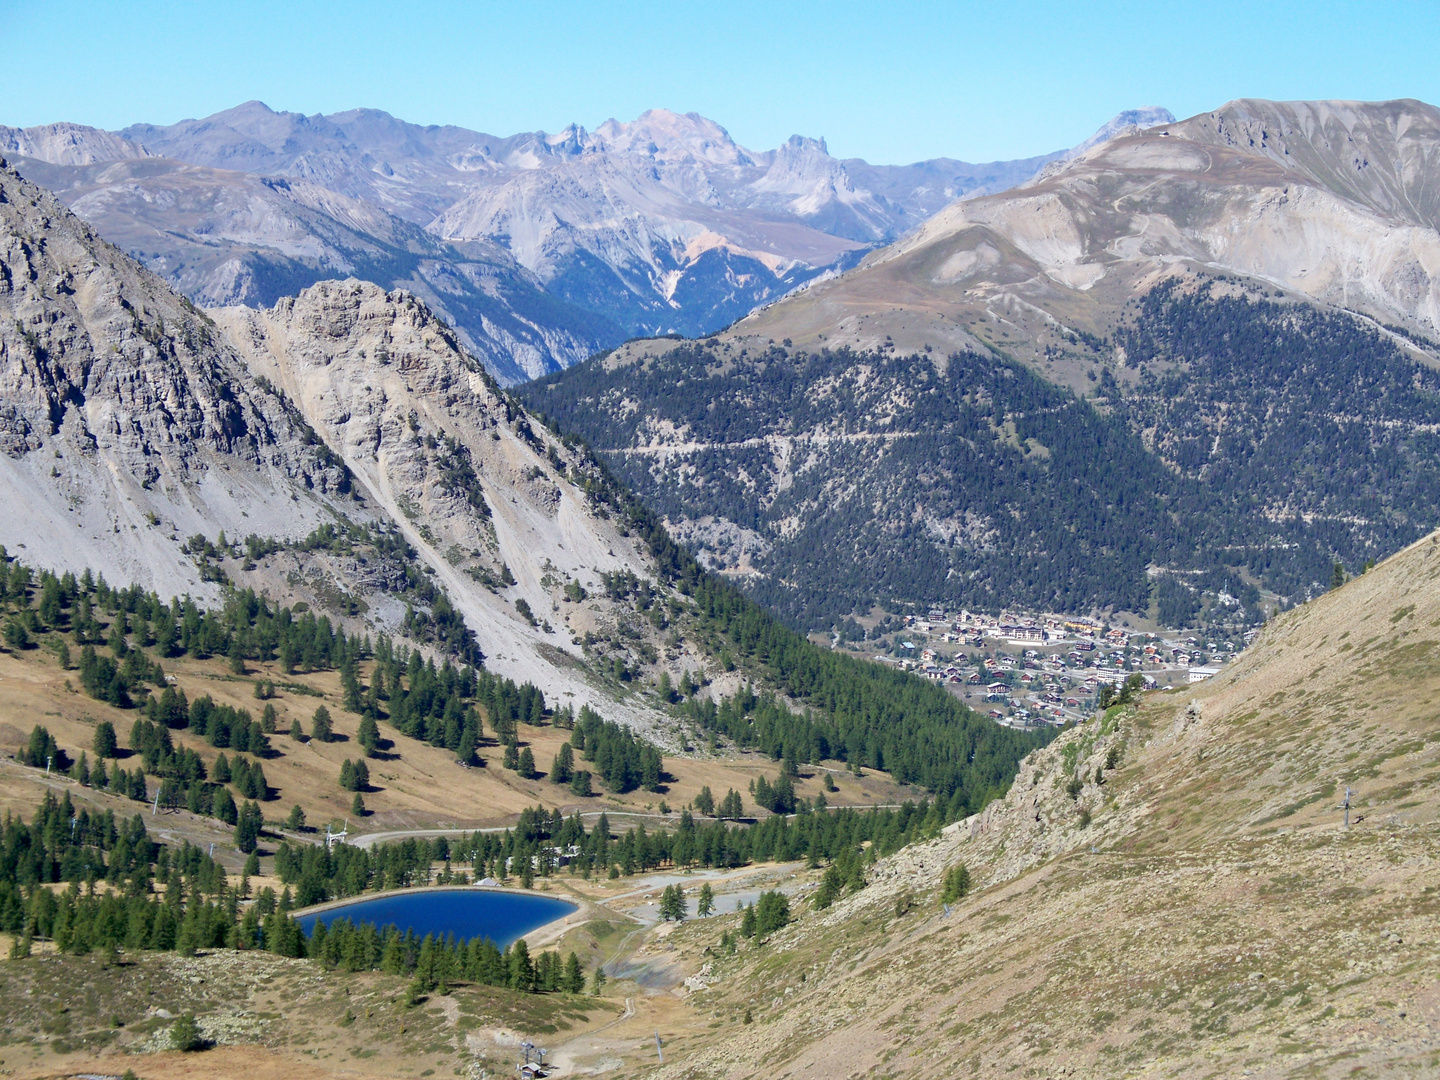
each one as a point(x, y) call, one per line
point(891, 82)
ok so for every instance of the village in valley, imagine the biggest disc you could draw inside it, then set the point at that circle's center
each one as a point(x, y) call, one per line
point(1026, 669)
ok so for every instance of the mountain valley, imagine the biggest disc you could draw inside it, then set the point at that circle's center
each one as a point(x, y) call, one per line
point(352, 554)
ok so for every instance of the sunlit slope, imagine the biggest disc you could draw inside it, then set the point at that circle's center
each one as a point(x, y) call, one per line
point(1200, 911)
point(1332, 202)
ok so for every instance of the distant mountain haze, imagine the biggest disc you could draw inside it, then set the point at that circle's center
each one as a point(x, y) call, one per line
point(539, 248)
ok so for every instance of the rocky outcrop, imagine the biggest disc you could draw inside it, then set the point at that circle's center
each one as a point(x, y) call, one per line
point(122, 404)
point(132, 421)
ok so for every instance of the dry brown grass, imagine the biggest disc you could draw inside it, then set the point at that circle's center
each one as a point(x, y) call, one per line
point(418, 786)
point(1212, 918)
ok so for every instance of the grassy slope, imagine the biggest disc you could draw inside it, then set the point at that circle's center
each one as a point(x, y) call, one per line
point(289, 1017)
point(1223, 922)
point(1213, 917)
point(419, 786)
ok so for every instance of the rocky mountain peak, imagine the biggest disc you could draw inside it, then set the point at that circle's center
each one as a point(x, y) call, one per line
point(1129, 120)
point(69, 144)
point(127, 418)
point(673, 138)
point(1383, 155)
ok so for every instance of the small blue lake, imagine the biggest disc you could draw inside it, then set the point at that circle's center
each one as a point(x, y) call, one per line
point(466, 913)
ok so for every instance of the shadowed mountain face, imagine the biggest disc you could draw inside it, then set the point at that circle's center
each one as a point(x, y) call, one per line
point(1196, 361)
point(541, 249)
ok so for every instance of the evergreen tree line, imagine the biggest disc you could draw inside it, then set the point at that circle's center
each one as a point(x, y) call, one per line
point(435, 963)
point(866, 714)
point(197, 908)
point(623, 761)
point(181, 772)
point(441, 705)
point(89, 612)
point(543, 840)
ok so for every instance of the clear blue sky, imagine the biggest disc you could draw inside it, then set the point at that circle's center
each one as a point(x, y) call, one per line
point(891, 82)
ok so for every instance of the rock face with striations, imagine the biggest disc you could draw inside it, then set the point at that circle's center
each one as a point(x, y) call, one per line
point(122, 406)
point(435, 444)
point(136, 430)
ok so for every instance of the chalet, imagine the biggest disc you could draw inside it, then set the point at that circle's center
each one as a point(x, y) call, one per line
point(1018, 635)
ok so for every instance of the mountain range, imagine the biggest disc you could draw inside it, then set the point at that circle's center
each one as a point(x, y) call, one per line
point(1181, 373)
point(539, 248)
point(1194, 363)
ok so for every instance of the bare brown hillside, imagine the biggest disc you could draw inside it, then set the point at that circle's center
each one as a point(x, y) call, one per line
point(1188, 905)
point(1330, 202)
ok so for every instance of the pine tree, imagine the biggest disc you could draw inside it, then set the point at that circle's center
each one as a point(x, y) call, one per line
point(105, 743)
point(526, 764)
point(563, 767)
point(830, 885)
point(247, 827)
point(369, 736)
point(222, 806)
point(956, 883)
point(672, 904)
point(185, 1034)
point(747, 921)
point(573, 981)
point(521, 968)
point(705, 801)
point(772, 911)
point(320, 725)
point(705, 905)
point(764, 795)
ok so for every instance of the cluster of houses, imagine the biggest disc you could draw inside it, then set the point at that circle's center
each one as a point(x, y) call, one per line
point(1045, 668)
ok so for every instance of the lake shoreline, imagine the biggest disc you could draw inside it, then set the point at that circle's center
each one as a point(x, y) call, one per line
point(439, 910)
